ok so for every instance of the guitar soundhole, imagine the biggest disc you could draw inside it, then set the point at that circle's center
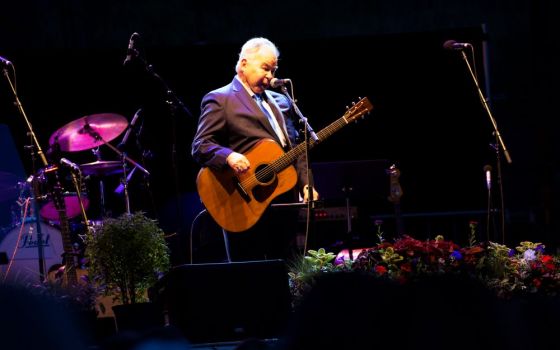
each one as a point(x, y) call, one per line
point(264, 176)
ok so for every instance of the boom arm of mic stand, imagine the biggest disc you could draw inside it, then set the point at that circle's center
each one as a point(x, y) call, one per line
point(487, 108)
point(298, 112)
point(40, 250)
point(174, 101)
point(22, 112)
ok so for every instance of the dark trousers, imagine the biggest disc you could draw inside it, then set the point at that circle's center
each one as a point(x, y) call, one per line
point(273, 237)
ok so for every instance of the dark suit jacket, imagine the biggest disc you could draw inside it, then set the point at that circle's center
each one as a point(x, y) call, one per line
point(231, 121)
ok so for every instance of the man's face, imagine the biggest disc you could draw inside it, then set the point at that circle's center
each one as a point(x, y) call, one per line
point(258, 69)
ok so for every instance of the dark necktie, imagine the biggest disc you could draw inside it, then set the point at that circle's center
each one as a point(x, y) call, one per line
point(272, 120)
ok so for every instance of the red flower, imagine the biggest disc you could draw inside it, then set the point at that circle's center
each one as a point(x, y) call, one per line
point(380, 270)
point(537, 282)
point(548, 262)
point(406, 267)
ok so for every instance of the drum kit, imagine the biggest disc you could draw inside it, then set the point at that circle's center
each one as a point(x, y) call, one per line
point(37, 210)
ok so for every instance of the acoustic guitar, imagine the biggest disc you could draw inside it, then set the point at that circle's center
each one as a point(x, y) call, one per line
point(236, 202)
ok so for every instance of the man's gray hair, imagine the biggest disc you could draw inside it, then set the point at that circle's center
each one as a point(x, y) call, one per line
point(251, 47)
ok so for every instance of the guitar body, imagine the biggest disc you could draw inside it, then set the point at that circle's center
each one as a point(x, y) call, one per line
point(236, 209)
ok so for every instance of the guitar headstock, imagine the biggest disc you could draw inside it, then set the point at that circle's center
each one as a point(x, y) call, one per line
point(358, 109)
point(53, 180)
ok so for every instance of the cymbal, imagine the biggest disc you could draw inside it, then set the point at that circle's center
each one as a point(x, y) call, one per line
point(102, 167)
point(89, 132)
point(8, 186)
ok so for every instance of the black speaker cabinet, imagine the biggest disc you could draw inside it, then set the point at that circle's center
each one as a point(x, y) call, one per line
point(226, 301)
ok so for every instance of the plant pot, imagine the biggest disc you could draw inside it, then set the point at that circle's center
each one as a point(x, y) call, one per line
point(137, 317)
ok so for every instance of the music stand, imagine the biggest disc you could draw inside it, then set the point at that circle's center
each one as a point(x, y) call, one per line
point(367, 178)
point(361, 183)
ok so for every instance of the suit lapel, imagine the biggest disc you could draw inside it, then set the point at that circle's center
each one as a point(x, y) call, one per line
point(250, 103)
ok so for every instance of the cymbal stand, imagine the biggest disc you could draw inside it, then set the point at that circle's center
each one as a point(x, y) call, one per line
point(124, 158)
point(39, 151)
point(124, 183)
point(97, 152)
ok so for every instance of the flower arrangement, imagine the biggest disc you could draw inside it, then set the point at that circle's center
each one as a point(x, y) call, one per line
point(525, 270)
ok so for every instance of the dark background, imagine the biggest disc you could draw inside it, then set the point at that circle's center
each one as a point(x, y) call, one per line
point(428, 119)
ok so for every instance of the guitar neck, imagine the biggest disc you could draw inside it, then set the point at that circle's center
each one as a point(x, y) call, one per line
point(289, 157)
point(69, 253)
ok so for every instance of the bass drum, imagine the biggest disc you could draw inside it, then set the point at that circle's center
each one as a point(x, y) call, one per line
point(24, 268)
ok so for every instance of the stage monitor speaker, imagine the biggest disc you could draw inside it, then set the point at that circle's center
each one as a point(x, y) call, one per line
point(222, 302)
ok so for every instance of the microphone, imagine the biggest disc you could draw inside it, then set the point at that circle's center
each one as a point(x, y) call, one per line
point(275, 82)
point(4, 62)
point(131, 52)
point(71, 165)
point(130, 127)
point(453, 45)
point(487, 171)
point(120, 189)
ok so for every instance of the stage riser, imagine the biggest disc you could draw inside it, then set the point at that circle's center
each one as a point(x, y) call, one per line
point(226, 302)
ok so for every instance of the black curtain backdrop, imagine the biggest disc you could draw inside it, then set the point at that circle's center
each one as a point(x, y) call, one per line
point(427, 120)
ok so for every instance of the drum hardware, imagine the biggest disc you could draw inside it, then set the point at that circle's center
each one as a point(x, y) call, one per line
point(102, 168)
point(89, 132)
point(124, 159)
point(94, 131)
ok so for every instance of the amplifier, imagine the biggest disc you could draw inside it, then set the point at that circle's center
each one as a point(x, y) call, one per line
point(329, 214)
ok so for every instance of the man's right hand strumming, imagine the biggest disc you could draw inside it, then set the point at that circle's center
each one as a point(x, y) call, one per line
point(238, 162)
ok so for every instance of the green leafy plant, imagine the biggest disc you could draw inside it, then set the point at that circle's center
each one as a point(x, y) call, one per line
point(304, 270)
point(127, 255)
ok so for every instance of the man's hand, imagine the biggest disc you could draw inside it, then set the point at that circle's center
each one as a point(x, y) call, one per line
point(238, 162)
point(306, 194)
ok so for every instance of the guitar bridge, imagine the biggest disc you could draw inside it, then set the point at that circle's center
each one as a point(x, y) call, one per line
point(241, 190)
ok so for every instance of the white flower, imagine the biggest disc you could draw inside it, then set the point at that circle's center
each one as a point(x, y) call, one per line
point(529, 255)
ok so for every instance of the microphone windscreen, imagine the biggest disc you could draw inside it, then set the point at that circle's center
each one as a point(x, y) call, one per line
point(449, 44)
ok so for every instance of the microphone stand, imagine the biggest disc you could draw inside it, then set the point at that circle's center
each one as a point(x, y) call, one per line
point(122, 146)
point(39, 152)
point(499, 141)
point(307, 132)
point(174, 104)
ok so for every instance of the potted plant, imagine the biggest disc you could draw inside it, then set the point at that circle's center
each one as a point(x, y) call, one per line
point(126, 256)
